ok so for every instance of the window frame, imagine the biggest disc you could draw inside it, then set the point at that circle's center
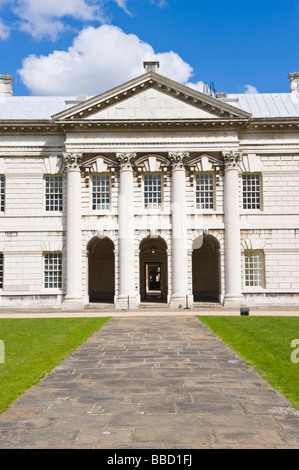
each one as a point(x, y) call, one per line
point(157, 207)
point(1, 270)
point(2, 195)
point(61, 204)
point(253, 271)
point(206, 209)
point(104, 174)
point(59, 283)
point(260, 194)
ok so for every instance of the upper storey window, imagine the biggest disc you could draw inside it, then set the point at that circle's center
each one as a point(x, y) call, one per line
point(53, 193)
point(2, 193)
point(101, 191)
point(204, 190)
point(251, 191)
point(152, 190)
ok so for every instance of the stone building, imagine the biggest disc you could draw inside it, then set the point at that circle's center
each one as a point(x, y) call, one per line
point(149, 192)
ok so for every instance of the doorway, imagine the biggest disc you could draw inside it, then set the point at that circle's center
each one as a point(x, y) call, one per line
point(205, 271)
point(101, 270)
point(153, 270)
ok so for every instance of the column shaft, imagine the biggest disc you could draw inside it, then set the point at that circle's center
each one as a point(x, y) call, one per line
point(73, 231)
point(127, 296)
point(179, 232)
point(233, 290)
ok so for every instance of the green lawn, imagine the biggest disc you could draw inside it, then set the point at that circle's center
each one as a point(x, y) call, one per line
point(33, 347)
point(265, 344)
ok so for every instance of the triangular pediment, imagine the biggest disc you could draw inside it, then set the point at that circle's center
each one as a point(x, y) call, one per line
point(150, 97)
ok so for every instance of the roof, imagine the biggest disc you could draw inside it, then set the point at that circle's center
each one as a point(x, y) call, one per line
point(260, 105)
point(33, 107)
point(264, 105)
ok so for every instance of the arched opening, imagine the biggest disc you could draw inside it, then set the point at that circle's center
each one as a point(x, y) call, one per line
point(153, 270)
point(101, 270)
point(205, 270)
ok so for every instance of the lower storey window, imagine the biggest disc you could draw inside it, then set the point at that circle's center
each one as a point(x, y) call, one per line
point(52, 270)
point(1, 270)
point(254, 268)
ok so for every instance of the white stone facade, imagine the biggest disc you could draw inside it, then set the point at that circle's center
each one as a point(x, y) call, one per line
point(149, 192)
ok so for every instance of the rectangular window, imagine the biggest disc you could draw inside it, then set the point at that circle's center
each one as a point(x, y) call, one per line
point(2, 193)
point(251, 191)
point(1, 270)
point(254, 268)
point(152, 190)
point(101, 192)
point(53, 193)
point(52, 270)
point(204, 191)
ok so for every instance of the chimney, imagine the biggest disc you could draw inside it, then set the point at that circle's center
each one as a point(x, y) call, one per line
point(6, 82)
point(151, 66)
point(294, 80)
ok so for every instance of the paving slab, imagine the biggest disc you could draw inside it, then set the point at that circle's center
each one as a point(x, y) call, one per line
point(152, 382)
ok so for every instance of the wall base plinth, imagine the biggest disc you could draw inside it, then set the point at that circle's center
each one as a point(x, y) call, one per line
point(71, 303)
point(233, 301)
point(128, 302)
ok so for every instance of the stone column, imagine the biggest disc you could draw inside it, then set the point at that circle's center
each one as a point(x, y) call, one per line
point(233, 285)
point(127, 297)
point(179, 231)
point(73, 297)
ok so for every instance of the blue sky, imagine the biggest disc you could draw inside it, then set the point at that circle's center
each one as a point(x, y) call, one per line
point(74, 47)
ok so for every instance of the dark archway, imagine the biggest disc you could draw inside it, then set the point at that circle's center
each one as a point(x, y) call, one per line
point(205, 271)
point(153, 270)
point(101, 278)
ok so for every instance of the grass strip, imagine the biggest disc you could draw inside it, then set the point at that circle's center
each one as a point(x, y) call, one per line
point(33, 347)
point(265, 344)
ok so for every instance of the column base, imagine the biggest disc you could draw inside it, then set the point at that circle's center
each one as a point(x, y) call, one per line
point(126, 302)
point(181, 301)
point(72, 303)
point(233, 301)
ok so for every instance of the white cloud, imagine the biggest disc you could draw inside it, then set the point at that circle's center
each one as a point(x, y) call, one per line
point(4, 30)
point(44, 18)
point(250, 89)
point(99, 59)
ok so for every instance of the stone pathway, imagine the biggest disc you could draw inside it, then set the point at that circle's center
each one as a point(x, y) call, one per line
point(151, 383)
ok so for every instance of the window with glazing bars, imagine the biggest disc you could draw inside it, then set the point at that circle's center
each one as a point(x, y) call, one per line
point(254, 268)
point(2, 193)
point(204, 191)
point(52, 270)
point(1, 270)
point(53, 193)
point(251, 191)
point(152, 190)
point(100, 192)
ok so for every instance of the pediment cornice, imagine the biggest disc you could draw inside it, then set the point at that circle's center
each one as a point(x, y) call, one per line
point(92, 106)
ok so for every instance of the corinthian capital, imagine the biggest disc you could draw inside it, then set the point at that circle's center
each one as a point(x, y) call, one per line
point(72, 161)
point(178, 159)
point(125, 160)
point(232, 160)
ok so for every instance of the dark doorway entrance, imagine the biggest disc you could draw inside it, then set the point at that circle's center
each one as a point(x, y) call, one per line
point(101, 270)
point(153, 270)
point(205, 271)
